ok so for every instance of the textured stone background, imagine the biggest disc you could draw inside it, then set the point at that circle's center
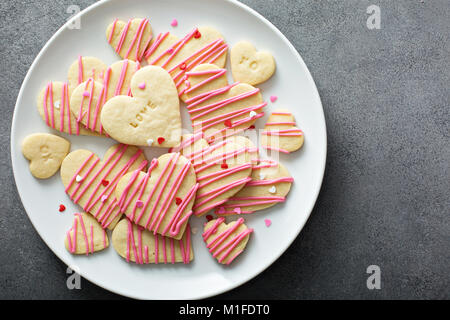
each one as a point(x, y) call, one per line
point(385, 196)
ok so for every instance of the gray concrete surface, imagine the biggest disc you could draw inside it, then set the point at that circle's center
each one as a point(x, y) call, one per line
point(385, 197)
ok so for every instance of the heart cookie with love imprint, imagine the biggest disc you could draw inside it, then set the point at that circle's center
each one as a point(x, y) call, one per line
point(129, 39)
point(90, 182)
point(86, 235)
point(250, 66)
point(226, 241)
point(222, 169)
point(270, 184)
point(280, 133)
point(161, 199)
point(178, 56)
point(135, 244)
point(151, 117)
point(88, 98)
point(217, 109)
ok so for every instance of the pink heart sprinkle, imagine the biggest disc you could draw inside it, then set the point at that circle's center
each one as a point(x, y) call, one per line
point(104, 197)
point(174, 23)
point(221, 210)
point(237, 210)
point(268, 222)
point(273, 98)
point(139, 204)
point(170, 51)
point(86, 94)
point(142, 85)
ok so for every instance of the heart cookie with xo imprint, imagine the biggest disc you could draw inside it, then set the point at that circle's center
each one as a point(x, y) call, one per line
point(129, 39)
point(218, 109)
point(160, 200)
point(88, 98)
point(226, 241)
point(250, 66)
point(46, 152)
point(178, 56)
point(135, 244)
point(280, 133)
point(151, 117)
point(90, 182)
point(86, 235)
point(270, 184)
point(222, 169)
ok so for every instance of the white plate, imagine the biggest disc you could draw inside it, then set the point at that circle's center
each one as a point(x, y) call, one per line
point(293, 85)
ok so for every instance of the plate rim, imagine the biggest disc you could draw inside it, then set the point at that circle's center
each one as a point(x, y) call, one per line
point(301, 225)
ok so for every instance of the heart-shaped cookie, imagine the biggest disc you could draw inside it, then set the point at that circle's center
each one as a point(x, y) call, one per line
point(226, 241)
point(45, 152)
point(217, 109)
point(84, 68)
point(136, 244)
point(280, 133)
point(177, 56)
point(53, 103)
point(270, 184)
point(250, 66)
point(151, 116)
point(161, 199)
point(88, 98)
point(86, 235)
point(222, 169)
point(129, 39)
point(90, 182)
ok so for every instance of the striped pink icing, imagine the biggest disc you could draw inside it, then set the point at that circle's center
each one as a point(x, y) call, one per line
point(88, 239)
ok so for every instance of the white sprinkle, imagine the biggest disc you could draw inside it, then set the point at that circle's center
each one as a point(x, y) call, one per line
point(253, 114)
point(79, 178)
point(150, 142)
point(104, 197)
point(57, 104)
point(194, 230)
point(262, 176)
point(273, 189)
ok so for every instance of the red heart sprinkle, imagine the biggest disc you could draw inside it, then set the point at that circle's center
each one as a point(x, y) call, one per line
point(209, 217)
point(228, 123)
point(183, 66)
point(161, 140)
point(178, 201)
point(224, 166)
point(61, 208)
point(252, 127)
point(105, 183)
point(197, 34)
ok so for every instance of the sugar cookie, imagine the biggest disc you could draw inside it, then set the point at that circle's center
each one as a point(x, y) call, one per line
point(161, 199)
point(45, 152)
point(86, 235)
point(270, 184)
point(177, 56)
point(53, 103)
point(218, 109)
point(222, 169)
point(90, 182)
point(280, 133)
point(134, 243)
point(250, 66)
point(84, 68)
point(151, 116)
point(129, 39)
point(226, 241)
